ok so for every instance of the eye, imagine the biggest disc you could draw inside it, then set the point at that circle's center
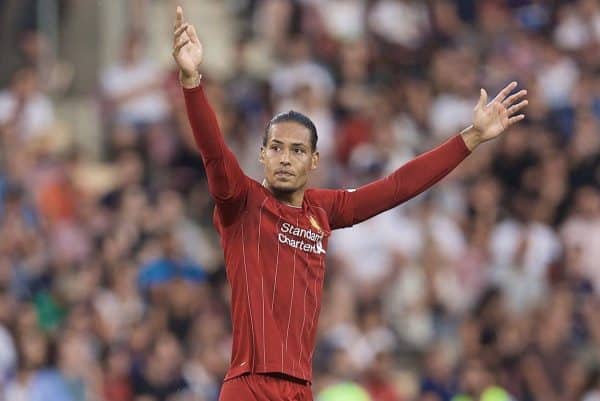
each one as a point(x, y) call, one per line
point(299, 151)
point(275, 148)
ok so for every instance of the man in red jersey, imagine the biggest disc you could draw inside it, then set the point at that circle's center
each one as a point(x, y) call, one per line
point(274, 234)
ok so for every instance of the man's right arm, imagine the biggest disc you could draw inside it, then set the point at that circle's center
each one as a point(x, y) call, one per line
point(226, 181)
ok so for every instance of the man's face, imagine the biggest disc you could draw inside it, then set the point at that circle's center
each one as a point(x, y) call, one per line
point(288, 157)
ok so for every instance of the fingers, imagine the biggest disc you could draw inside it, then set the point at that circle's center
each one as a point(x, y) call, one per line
point(179, 31)
point(513, 98)
point(504, 92)
point(515, 119)
point(483, 98)
point(178, 17)
point(182, 42)
point(182, 27)
point(191, 31)
point(513, 109)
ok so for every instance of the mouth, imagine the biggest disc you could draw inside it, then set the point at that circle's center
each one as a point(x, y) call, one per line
point(284, 174)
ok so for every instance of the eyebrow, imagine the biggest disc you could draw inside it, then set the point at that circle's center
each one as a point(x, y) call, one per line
point(293, 144)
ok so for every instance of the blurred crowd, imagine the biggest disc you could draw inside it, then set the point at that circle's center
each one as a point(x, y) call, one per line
point(112, 285)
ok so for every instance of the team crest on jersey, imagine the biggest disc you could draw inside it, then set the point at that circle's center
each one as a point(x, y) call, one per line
point(314, 223)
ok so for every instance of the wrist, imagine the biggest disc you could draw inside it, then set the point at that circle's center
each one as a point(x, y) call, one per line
point(189, 80)
point(472, 137)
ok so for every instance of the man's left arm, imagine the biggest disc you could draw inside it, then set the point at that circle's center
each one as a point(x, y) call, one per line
point(408, 181)
point(489, 121)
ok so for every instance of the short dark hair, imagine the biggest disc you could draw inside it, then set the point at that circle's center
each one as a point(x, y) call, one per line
point(296, 117)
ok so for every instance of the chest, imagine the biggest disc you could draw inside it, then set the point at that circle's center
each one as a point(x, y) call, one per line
point(302, 230)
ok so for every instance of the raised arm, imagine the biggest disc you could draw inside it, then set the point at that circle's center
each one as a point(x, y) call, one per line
point(489, 121)
point(226, 180)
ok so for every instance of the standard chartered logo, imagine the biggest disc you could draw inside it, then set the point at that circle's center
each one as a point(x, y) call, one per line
point(301, 238)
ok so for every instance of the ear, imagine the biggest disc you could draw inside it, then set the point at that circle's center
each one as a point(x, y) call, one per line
point(261, 155)
point(314, 160)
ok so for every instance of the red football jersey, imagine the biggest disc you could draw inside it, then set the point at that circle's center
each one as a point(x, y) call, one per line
point(275, 253)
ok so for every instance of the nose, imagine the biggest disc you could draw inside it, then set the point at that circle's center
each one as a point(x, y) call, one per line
point(285, 158)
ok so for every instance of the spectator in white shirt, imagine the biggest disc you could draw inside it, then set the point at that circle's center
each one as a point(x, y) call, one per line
point(25, 112)
point(134, 86)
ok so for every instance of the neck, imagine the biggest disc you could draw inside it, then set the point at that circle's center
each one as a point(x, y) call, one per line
point(294, 198)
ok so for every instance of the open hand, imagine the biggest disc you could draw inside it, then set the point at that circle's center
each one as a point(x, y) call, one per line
point(187, 49)
point(491, 119)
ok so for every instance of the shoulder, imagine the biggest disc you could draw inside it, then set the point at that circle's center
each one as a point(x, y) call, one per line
point(256, 194)
point(322, 195)
point(256, 189)
point(316, 196)
point(324, 198)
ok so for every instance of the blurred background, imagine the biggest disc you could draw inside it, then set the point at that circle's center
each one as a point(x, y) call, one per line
point(112, 284)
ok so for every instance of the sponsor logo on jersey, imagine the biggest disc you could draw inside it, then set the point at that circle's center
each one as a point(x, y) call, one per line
point(303, 239)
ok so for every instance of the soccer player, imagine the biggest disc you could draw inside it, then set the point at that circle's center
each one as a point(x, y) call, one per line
point(274, 234)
